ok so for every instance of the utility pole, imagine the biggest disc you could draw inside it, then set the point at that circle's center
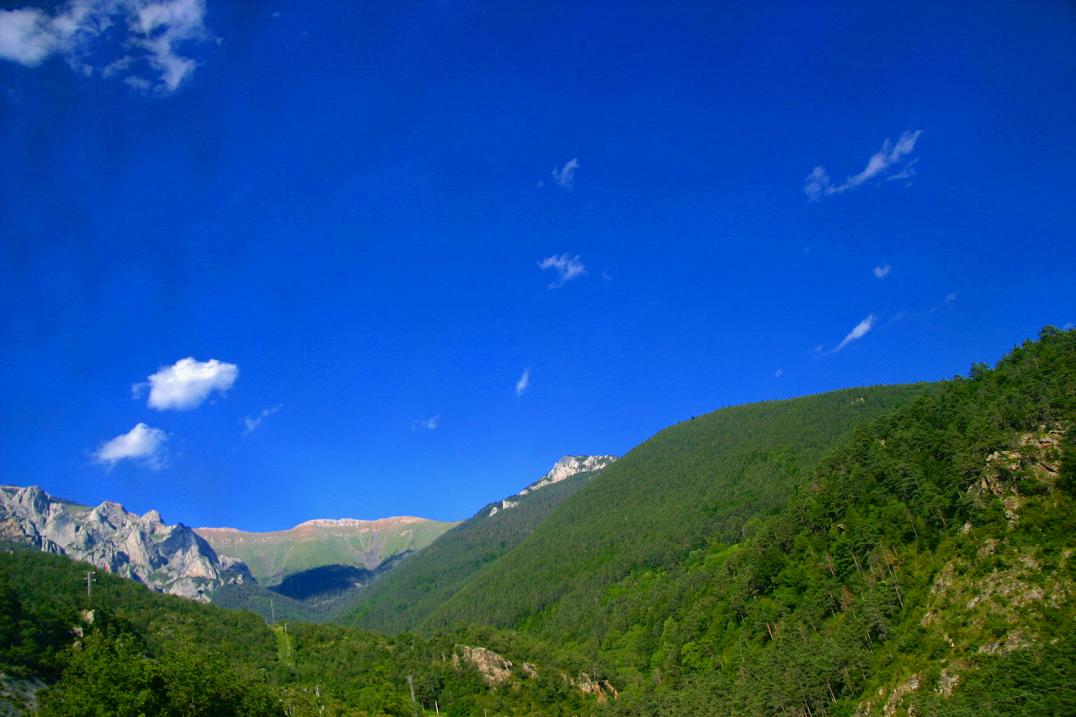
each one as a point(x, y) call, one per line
point(89, 587)
point(272, 610)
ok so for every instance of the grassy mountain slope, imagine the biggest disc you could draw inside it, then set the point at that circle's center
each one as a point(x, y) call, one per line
point(690, 485)
point(272, 556)
point(924, 567)
point(403, 597)
point(140, 653)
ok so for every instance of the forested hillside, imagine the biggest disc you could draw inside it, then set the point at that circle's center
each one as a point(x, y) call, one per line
point(695, 483)
point(924, 567)
point(403, 598)
point(134, 652)
point(884, 551)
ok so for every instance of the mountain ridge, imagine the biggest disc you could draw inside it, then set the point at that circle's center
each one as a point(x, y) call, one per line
point(165, 557)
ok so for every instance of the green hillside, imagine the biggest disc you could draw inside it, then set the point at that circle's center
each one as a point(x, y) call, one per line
point(925, 567)
point(143, 653)
point(403, 597)
point(691, 485)
point(271, 556)
point(886, 551)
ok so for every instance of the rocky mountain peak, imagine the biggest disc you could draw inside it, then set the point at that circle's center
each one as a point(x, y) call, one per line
point(567, 467)
point(563, 469)
point(166, 558)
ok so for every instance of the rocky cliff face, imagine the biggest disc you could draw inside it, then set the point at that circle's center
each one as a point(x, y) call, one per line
point(166, 558)
point(563, 469)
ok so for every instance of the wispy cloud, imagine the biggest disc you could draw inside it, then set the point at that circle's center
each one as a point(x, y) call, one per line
point(568, 267)
point(251, 424)
point(152, 32)
point(426, 424)
point(779, 373)
point(565, 176)
point(187, 383)
point(949, 300)
point(881, 272)
point(141, 443)
point(523, 382)
point(893, 161)
point(859, 331)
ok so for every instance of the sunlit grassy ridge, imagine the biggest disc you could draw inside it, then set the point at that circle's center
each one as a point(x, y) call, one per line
point(271, 556)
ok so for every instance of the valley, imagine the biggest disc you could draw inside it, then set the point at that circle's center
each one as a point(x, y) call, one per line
point(889, 550)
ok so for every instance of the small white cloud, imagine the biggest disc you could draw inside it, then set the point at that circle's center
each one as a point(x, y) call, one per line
point(523, 382)
point(141, 443)
point(861, 329)
point(426, 424)
point(881, 272)
point(568, 267)
point(156, 27)
point(951, 297)
point(893, 161)
point(187, 383)
point(779, 373)
point(251, 424)
point(565, 176)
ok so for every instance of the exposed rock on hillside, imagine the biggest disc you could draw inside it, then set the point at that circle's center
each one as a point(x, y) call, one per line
point(166, 558)
point(563, 469)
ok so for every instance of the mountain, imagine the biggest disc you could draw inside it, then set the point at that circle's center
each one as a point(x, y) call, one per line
point(702, 481)
point(922, 567)
point(166, 558)
point(272, 556)
point(402, 598)
point(891, 551)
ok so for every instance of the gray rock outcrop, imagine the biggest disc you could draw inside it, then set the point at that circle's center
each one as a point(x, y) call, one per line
point(166, 558)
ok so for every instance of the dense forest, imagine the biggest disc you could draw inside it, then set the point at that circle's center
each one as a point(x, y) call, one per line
point(129, 651)
point(883, 551)
point(700, 481)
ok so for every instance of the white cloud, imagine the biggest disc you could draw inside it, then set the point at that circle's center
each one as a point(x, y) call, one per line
point(251, 424)
point(568, 267)
point(523, 382)
point(861, 329)
point(779, 373)
point(893, 161)
point(154, 30)
point(187, 383)
point(565, 176)
point(881, 272)
point(426, 424)
point(140, 443)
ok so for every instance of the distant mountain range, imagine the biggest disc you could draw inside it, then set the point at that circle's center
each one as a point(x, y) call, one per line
point(273, 556)
point(309, 569)
point(882, 552)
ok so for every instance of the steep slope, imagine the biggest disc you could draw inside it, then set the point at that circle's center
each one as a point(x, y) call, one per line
point(274, 555)
point(404, 597)
point(692, 484)
point(167, 558)
point(925, 567)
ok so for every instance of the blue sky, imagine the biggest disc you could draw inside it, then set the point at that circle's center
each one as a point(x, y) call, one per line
point(375, 218)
